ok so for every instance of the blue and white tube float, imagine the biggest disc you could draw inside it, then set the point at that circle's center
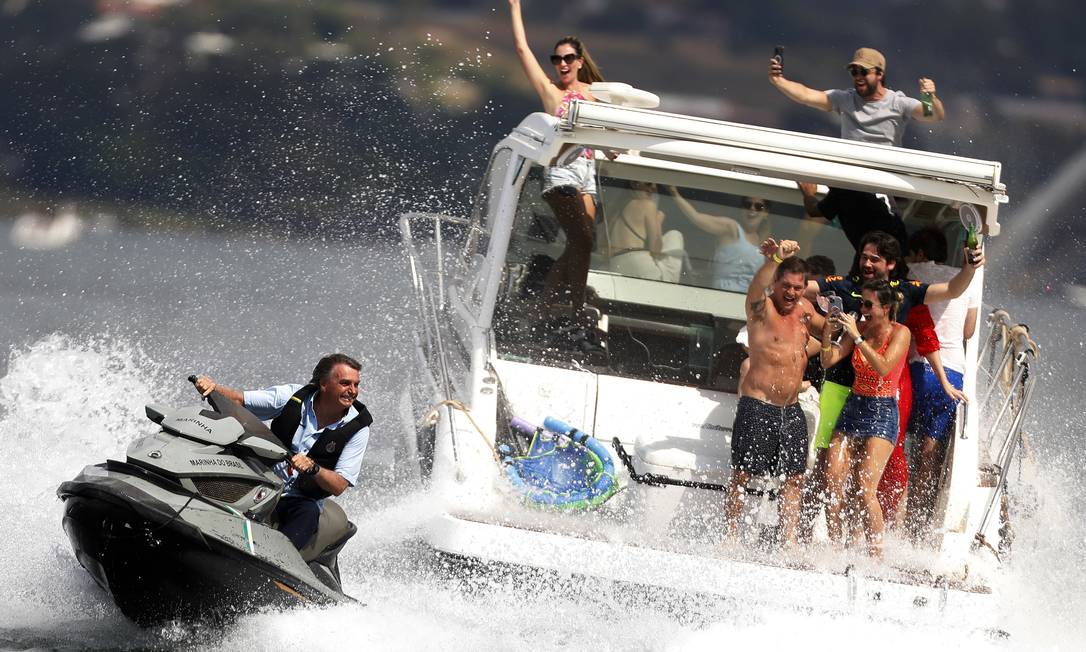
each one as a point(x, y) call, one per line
point(575, 474)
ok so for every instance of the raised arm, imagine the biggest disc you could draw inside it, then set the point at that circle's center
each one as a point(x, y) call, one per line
point(724, 227)
point(548, 93)
point(810, 198)
point(937, 110)
point(956, 286)
point(796, 91)
point(774, 253)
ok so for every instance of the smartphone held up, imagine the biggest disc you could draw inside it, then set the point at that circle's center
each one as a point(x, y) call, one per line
point(778, 54)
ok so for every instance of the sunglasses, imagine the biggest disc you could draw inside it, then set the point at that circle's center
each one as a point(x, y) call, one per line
point(869, 304)
point(754, 205)
point(859, 71)
point(567, 58)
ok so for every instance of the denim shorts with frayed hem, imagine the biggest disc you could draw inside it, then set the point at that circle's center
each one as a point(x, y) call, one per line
point(869, 416)
point(579, 174)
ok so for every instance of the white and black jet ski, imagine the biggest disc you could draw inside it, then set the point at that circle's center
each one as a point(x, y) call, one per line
point(182, 528)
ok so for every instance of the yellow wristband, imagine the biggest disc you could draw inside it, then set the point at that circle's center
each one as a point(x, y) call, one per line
point(777, 259)
point(827, 349)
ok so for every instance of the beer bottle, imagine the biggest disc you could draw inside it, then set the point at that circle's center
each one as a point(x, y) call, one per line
point(972, 240)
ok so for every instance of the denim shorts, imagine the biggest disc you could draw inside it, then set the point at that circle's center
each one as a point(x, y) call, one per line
point(869, 416)
point(580, 174)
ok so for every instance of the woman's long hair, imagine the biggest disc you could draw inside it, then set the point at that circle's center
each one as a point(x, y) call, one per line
point(886, 294)
point(589, 72)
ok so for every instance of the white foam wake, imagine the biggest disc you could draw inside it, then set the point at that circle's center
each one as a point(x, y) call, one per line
point(66, 404)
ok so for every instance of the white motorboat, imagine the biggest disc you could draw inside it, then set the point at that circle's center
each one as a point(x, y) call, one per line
point(661, 397)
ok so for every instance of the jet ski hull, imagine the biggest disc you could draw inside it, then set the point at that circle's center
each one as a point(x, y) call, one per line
point(159, 567)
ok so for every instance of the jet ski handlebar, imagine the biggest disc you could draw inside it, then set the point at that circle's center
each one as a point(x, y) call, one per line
point(252, 425)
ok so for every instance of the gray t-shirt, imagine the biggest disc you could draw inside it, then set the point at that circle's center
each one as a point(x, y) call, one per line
point(882, 121)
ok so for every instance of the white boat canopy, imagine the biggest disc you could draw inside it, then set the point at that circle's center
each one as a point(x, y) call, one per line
point(714, 145)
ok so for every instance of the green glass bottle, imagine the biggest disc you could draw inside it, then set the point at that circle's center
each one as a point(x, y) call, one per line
point(972, 241)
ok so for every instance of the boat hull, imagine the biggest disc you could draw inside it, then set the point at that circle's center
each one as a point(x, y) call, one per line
point(821, 590)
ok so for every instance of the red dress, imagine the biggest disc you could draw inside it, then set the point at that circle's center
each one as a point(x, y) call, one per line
point(895, 478)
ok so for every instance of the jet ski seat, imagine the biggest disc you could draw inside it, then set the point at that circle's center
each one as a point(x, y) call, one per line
point(333, 531)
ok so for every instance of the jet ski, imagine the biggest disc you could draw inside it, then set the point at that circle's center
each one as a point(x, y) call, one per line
point(183, 528)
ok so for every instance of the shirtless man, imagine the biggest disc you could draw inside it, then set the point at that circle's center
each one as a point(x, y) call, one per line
point(769, 435)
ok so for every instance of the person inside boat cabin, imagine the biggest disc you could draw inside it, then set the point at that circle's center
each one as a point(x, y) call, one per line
point(737, 256)
point(636, 243)
point(570, 188)
point(870, 112)
point(325, 427)
point(769, 435)
point(858, 213)
point(934, 405)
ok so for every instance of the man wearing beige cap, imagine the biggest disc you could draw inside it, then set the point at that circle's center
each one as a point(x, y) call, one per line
point(869, 111)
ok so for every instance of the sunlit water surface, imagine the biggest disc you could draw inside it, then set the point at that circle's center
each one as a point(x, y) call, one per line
point(92, 333)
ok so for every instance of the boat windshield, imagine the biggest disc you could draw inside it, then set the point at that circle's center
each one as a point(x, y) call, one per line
point(674, 252)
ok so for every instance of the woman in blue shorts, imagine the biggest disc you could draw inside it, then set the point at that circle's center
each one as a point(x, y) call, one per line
point(867, 429)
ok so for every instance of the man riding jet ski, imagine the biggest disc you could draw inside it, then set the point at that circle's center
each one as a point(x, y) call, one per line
point(185, 527)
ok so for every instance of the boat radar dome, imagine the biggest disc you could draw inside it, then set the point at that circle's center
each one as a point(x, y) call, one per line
point(621, 94)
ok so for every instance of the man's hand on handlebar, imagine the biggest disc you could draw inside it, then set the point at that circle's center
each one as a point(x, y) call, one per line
point(204, 385)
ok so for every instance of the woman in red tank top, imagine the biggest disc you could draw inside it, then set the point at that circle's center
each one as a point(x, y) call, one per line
point(867, 428)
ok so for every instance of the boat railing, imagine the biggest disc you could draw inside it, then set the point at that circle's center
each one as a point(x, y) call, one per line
point(1005, 381)
point(429, 283)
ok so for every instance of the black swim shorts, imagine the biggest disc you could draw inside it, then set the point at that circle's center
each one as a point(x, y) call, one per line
point(769, 439)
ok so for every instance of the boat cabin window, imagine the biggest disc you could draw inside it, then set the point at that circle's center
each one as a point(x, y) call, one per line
point(673, 256)
point(477, 239)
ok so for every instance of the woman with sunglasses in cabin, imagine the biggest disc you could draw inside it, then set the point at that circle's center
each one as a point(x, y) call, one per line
point(867, 429)
point(737, 255)
point(570, 189)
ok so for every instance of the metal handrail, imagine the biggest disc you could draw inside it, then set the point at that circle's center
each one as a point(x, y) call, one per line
point(1013, 377)
point(426, 305)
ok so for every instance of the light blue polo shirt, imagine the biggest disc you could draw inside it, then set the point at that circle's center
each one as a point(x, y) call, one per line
point(266, 404)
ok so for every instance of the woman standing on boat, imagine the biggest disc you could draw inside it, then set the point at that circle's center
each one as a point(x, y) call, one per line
point(569, 189)
point(867, 429)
